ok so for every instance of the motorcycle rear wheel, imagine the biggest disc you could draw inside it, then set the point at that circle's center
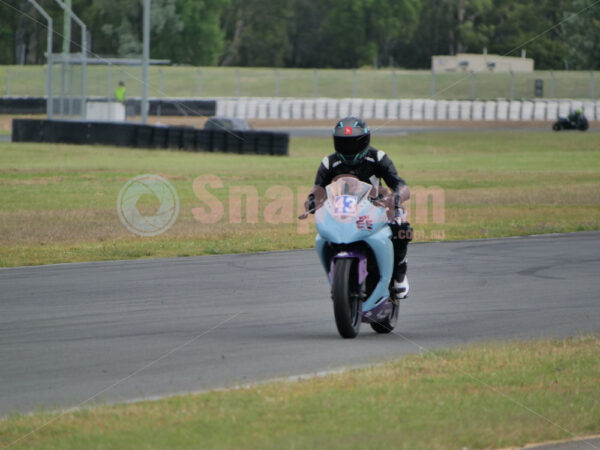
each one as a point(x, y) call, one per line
point(347, 306)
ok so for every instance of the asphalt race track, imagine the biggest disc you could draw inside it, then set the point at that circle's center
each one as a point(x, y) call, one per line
point(70, 331)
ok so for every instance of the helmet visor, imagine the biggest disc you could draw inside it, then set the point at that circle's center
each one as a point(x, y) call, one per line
point(350, 146)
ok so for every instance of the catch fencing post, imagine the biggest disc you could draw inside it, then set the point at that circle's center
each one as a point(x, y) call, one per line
point(83, 71)
point(161, 82)
point(512, 85)
point(238, 84)
point(70, 85)
point(7, 81)
point(472, 85)
point(276, 83)
point(316, 83)
point(50, 63)
point(109, 91)
point(199, 83)
point(63, 85)
point(394, 87)
point(354, 82)
point(432, 85)
point(145, 60)
point(592, 87)
point(552, 92)
point(66, 50)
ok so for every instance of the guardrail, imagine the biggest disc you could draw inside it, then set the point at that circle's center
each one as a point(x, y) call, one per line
point(253, 142)
point(415, 109)
point(71, 106)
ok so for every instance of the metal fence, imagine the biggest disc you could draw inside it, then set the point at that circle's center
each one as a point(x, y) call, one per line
point(210, 82)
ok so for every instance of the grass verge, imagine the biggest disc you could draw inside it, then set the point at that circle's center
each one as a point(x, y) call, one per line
point(481, 396)
point(59, 201)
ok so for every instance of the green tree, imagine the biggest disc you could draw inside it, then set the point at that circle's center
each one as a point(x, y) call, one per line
point(343, 35)
point(23, 32)
point(303, 29)
point(435, 34)
point(528, 25)
point(390, 25)
point(582, 35)
point(201, 40)
point(256, 33)
point(122, 23)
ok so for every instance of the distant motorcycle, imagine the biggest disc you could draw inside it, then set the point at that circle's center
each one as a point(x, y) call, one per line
point(564, 123)
point(355, 249)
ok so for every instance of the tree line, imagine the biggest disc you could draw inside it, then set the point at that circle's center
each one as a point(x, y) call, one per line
point(316, 33)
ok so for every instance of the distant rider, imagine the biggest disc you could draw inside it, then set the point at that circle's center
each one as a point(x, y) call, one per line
point(354, 156)
point(574, 116)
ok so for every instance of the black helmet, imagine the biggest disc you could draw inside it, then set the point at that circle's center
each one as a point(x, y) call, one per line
point(351, 139)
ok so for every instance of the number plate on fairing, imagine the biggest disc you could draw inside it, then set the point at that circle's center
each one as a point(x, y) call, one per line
point(344, 205)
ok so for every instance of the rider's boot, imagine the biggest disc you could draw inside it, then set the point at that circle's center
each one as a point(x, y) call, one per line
point(401, 287)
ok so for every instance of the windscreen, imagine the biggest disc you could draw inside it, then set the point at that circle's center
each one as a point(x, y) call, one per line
point(345, 194)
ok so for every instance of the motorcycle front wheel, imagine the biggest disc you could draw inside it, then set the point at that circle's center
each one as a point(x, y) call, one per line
point(347, 306)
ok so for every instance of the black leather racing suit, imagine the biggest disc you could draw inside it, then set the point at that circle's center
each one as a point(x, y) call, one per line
point(375, 166)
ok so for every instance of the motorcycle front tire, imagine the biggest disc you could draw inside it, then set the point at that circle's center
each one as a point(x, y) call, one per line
point(347, 306)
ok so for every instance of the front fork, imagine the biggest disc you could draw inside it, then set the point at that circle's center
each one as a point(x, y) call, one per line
point(362, 272)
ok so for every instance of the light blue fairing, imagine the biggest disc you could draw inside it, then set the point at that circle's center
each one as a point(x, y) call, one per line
point(336, 231)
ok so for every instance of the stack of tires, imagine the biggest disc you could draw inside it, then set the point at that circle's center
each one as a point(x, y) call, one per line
point(247, 142)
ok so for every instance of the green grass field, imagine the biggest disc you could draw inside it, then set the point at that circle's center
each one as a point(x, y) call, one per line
point(334, 83)
point(482, 396)
point(59, 201)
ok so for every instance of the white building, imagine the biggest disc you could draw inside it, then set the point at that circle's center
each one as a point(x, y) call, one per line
point(472, 62)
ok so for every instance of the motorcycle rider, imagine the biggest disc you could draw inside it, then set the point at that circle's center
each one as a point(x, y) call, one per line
point(574, 116)
point(354, 156)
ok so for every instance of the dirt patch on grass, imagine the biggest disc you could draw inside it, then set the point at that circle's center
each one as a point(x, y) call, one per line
point(51, 227)
point(33, 181)
point(528, 197)
point(6, 120)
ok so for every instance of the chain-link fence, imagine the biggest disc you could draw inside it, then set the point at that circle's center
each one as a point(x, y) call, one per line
point(212, 82)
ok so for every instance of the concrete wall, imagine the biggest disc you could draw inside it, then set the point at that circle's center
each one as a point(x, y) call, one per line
point(278, 108)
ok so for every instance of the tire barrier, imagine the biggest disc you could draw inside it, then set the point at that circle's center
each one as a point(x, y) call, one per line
point(406, 109)
point(253, 142)
point(22, 105)
point(133, 106)
point(331, 109)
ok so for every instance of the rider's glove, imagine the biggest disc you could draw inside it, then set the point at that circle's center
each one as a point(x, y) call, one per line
point(401, 229)
point(309, 204)
point(400, 215)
